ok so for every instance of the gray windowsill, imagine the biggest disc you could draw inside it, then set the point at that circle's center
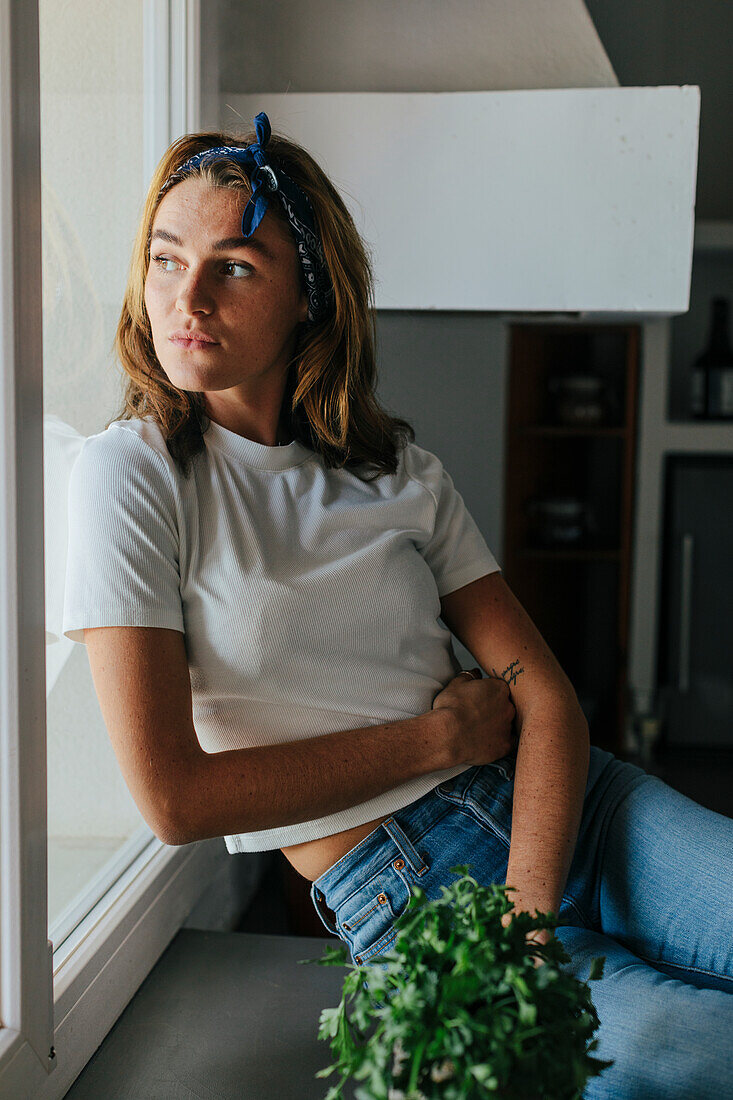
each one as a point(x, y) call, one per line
point(221, 1015)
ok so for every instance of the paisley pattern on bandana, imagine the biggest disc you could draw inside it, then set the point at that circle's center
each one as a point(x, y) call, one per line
point(267, 179)
point(310, 250)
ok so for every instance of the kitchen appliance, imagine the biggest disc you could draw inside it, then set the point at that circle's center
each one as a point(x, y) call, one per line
point(696, 642)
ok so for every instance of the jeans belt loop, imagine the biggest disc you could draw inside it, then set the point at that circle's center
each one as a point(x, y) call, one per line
point(397, 834)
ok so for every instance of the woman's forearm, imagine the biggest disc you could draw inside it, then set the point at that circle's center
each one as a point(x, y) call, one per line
point(271, 786)
point(551, 773)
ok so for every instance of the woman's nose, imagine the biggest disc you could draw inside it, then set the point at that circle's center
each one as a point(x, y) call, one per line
point(194, 296)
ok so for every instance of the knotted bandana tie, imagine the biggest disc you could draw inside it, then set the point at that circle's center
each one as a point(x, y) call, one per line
point(265, 179)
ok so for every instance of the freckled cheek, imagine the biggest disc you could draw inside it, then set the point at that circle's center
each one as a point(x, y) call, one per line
point(156, 316)
point(261, 316)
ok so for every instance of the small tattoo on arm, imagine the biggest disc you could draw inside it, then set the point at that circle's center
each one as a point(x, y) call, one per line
point(510, 673)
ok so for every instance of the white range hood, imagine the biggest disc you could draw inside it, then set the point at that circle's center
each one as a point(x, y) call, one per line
point(552, 200)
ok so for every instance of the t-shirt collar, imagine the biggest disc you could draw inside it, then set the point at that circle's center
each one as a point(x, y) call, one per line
point(258, 455)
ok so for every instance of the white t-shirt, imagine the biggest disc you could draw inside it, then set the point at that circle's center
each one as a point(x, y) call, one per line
point(309, 599)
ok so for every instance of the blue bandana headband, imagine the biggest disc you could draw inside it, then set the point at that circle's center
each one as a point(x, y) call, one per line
point(266, 178)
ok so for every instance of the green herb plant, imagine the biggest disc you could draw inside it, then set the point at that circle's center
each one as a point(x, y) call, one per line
point(470, 1010)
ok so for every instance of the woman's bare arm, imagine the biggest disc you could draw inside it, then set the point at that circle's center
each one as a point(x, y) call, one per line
point(554, 745)
point(270, 786)
point(142, 682)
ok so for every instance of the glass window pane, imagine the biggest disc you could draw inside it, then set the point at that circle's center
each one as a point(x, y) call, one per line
point(92, 192)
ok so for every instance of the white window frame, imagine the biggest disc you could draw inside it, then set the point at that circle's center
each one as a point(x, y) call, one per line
point(56, 1006)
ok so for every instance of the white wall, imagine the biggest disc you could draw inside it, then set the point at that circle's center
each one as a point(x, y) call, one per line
point(446, 374)
point(409, 46)
point(541, 200)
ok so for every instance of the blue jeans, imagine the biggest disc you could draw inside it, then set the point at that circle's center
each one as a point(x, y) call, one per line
point(650, 887)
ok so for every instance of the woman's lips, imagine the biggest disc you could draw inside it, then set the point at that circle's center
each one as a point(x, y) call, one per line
point(194, 345)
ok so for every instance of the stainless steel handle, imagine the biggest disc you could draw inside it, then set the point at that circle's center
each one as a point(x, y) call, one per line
point(683, 671)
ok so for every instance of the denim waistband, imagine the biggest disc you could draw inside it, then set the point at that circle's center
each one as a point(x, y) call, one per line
point(389, 840)
point(396, 839)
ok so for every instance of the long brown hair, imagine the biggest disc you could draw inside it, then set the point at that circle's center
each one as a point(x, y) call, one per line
point(329, 403)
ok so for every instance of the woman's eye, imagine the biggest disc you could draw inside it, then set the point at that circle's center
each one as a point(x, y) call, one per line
point(161, 260)
point(245, 269)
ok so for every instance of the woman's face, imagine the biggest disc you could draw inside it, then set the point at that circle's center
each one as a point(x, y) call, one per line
point(246, 294)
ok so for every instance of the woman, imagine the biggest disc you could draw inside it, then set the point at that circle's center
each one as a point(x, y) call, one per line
point(263, 626)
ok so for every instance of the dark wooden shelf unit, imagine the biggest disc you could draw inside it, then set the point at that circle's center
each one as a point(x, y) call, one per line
point(578, 594)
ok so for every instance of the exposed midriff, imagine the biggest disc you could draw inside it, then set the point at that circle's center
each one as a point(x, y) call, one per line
point(314, 857)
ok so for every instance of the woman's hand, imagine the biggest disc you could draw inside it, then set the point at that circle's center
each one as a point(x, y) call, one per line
point(484, 714)
point(536, 935)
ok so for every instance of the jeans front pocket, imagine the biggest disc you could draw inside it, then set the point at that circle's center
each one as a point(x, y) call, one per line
point(456, 789)
point(367, 917)
point(490, 795)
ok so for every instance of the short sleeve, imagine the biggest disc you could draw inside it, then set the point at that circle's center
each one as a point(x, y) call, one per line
point(122, 564)
point(456, 551)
